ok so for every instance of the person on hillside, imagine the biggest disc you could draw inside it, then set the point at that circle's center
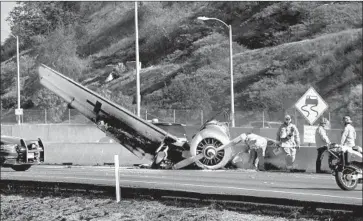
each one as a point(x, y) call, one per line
point(289, 140)
point(257, 148)
point(348, 134)
point(322, 142)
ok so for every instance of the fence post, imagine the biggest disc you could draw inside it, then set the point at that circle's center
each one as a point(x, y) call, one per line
point(201, 117)
point(263, 119)
point(174, 114)
point(117, 178)
point(45, 116)
point(329, 117)
point(146, 114)
point(69, 116)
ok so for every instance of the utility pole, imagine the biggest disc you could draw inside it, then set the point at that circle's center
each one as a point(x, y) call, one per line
point(17, 61)
point(231, 73)
point(18, 111)
point(137, 63)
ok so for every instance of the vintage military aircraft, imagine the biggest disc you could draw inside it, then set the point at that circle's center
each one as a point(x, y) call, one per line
point(210, 148)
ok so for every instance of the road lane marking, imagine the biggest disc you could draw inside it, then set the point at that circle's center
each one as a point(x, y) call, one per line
point(163, 176)
point(204, 186)
point(80, 169)
point(239, 188)
point(133, 168)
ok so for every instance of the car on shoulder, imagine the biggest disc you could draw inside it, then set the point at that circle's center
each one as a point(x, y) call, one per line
point(20, 154)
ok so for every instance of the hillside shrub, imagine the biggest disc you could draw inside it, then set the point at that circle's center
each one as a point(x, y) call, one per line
point(8, 77)
point(46, 100)
point(274, 94)
point(330, 18)
point(59, 51)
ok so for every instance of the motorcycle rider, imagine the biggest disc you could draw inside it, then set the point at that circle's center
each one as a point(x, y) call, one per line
point(257, 148)
point(322, 142)
point(348, 135)
point(288, 136)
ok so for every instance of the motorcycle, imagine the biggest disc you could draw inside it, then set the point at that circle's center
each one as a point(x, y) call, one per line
point(346, 165)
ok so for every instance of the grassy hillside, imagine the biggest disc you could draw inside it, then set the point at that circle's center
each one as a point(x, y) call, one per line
point(280, 49)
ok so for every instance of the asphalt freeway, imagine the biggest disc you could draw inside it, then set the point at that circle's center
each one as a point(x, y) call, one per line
point(280, 185)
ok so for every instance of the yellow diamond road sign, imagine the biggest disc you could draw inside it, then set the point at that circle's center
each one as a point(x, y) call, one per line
point(311, 105)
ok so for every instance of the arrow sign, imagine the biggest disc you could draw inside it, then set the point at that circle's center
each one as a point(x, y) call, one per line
point(311, 105)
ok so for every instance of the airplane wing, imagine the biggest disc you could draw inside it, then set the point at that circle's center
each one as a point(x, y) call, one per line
point(137, 135)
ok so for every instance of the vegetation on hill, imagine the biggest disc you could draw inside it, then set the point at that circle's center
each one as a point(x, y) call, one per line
point(280, 49)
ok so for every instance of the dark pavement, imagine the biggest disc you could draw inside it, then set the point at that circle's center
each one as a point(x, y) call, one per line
point(296, 186)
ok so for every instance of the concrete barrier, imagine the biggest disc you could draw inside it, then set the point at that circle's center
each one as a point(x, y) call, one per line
point(77, 144)
point(55, 132)
point(89, 154)
point(305, 159)
point(101, 153)
point(6, 130)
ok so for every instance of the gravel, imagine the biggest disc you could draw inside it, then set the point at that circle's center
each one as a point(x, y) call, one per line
point(17, 207)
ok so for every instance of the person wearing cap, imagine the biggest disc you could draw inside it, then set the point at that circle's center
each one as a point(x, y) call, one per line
point(289, 139)
point(348, 135)
point(322, 142)
point(256, 145)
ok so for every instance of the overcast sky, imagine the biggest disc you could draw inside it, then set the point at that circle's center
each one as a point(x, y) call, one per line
point(6, 7)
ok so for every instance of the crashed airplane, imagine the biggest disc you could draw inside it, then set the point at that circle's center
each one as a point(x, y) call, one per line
point(210, 148)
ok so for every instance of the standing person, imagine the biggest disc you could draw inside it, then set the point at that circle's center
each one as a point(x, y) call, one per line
point(348, 135)
point(288, 136)
point(322, 142)
point(257, 148)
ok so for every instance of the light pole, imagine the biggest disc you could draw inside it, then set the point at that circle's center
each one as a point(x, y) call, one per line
point(18, 111)
point(137, 63)
point(203, 18)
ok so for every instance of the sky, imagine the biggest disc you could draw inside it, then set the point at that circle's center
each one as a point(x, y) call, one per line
point(6, 7)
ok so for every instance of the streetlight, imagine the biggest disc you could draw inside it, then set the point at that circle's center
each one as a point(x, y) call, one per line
point(18, 111)
point(203, 18)
point(137, 62)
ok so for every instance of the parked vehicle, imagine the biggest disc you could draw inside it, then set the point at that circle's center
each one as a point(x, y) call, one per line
point(20, 154)
point(346, 165)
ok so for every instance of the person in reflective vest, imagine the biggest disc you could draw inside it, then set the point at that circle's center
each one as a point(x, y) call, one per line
point(257, 148)
point(289, 140)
